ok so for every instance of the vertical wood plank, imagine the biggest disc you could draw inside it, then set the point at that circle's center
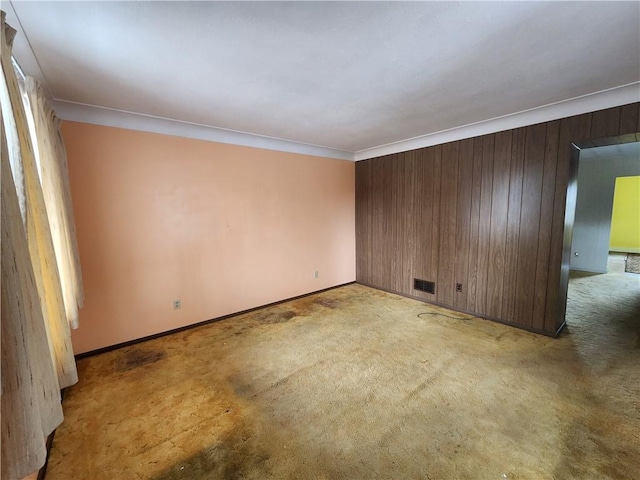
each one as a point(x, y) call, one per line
point(448, 199)
point(629, 122)
point(498, 230)
point(513, 225)
point(463, 219)
point(484, 231)
point(406, 224)
point(397, 222)
point(425, 159)
point(377, 243)
point(605, 124)
point(546, 220)
point(363, 247)
point(410, 215)
point(387, 223)
point(370, 212)
point(418, 208)
point(529, 222)
point(474, 221)
point(435, 216)
point(629, 119)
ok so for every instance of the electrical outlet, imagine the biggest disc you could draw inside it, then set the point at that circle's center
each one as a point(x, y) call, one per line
point(316, 274)
point(458, 287)
point(177, 304)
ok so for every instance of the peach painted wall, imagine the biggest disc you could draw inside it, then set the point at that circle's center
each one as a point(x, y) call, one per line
point(223, 228)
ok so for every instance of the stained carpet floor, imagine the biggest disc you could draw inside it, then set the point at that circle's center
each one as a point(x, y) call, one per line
point(355, 383)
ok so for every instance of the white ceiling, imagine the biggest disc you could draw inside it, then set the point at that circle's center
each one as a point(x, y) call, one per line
point(359, 78)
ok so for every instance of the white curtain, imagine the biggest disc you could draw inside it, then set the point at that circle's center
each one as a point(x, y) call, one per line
point(41, 282)
point(52, 164)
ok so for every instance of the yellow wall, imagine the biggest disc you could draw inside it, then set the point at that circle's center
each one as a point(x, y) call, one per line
point(625, 220)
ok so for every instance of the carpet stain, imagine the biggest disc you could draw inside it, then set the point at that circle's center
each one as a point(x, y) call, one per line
point(136, 358)
point(232, 456)
point(328, 302)
point(274, 316)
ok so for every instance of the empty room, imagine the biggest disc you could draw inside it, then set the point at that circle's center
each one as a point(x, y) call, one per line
point(320, 240)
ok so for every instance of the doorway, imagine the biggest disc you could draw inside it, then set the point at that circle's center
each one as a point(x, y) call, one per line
point(601, 295)
point(601, 170)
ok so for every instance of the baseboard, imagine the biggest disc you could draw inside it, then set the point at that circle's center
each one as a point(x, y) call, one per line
point(585, 270)
point(624, 250)
point(128, 343)
point(468, 312)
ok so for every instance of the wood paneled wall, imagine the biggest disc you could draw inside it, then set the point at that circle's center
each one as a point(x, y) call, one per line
point(487, 212)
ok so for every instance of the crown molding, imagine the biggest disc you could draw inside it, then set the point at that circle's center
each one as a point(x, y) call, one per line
point(80, 112)
point(592, 102)
point(92, 114)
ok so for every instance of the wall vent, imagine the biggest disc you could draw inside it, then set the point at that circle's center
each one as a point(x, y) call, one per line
point(424, 285)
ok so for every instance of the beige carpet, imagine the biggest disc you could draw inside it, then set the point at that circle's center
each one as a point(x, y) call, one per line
point(355, 383)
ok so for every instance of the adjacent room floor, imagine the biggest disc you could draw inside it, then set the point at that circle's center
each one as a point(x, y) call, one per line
point(355, 383)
